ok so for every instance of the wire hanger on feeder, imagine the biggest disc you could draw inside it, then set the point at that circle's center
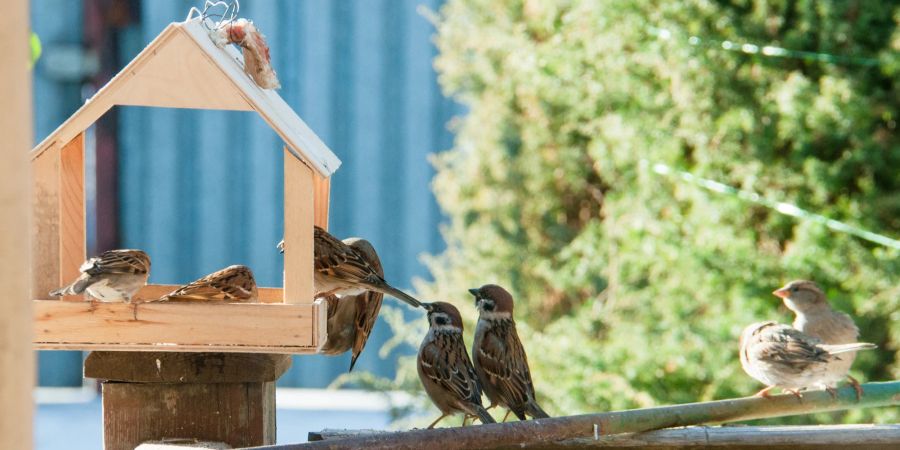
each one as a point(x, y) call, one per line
point(213, 10)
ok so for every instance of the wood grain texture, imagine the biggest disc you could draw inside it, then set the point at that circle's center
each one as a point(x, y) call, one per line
point(594, 427)
point(744, 437)
point(179, 74)
point(321, 192)
point(299, 216)
point(72, 220)
point(16, 358)
point(45, 255)
point(228, 327)
point(156, 367)
point(239, 414)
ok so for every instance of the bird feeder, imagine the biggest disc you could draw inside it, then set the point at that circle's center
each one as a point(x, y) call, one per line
point(181, 68)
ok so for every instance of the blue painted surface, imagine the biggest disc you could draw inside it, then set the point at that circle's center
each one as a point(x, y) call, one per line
point(57, 22)
point(78, 426)
point(200, 190)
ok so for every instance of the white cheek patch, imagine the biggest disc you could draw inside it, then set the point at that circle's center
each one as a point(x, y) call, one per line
point(495, 315)
point(447, 328)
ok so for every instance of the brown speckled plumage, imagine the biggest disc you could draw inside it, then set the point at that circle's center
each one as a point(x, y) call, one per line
point(499, 358)
point(231, 284)
point(780, 356)
point(351, 318)
point(444, 366)
point(114, 275)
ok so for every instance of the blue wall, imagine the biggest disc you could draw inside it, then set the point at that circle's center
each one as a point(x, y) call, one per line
point(58, 23)
point(201, 189)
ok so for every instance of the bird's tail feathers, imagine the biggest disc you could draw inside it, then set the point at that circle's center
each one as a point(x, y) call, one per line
point(484, 415)
point(353, 361)
point(399, 295)
point(534, 410)
point(836, 349)
point(77, 287)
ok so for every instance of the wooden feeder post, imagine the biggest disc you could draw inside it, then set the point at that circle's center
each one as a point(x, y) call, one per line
point(16, 356)
point(214, 397)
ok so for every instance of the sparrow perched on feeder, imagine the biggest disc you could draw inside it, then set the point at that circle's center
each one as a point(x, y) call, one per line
point(498, 355)
point(113, 276)
point(444, 366)
point(231, 284)
point(341, 271)
point(814, 317)
point(351, 318)
point(780, 356)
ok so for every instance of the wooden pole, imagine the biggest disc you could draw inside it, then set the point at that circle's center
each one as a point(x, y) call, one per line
point(16, 357)
point(543, 432)
point(807, 437)
point(214, 397)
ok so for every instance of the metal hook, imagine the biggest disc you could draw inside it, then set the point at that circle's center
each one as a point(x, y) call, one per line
point(232, 8)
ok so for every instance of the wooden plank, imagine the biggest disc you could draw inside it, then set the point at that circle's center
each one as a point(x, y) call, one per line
point(155, 367)
point(321, 194)
point(299, 215)
point(228, 327)
point(239, 414)
point(16, 358)
point(594, 427)
point(72, 222)
point(155, 291)
point(179, 74)
point(45, 256)
point(769, 437)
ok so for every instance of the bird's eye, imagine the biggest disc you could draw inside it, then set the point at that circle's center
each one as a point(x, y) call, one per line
point(794, 289)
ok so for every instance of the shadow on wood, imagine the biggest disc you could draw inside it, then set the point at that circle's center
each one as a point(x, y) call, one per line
point(220, 397)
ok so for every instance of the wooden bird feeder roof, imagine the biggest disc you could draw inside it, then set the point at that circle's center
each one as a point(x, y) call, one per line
point(183, 68)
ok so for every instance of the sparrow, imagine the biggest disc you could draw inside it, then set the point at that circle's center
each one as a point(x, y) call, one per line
point(814, 317)
point(780, 356)
point(340, 270)
point(351, 318)
point(498, 356)
point(115, 275)
point(444, 366)
point(231, 284)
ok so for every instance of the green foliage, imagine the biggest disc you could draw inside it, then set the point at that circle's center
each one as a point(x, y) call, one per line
point(632, 288)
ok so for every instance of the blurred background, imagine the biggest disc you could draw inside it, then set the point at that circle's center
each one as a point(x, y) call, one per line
point(641, 176)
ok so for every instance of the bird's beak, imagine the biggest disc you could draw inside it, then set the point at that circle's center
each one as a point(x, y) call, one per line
point(428, 307)
point(476, 293)
point(781, 293)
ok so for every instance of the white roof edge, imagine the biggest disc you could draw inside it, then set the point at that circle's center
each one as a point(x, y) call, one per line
point(273, 109)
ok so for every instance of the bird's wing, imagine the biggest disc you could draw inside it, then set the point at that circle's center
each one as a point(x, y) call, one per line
point(788, 348)
point(234, 283)
point(368, 304)
point(451, 369)
point(503, 359)
point(336, 259)
point(118, 262)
